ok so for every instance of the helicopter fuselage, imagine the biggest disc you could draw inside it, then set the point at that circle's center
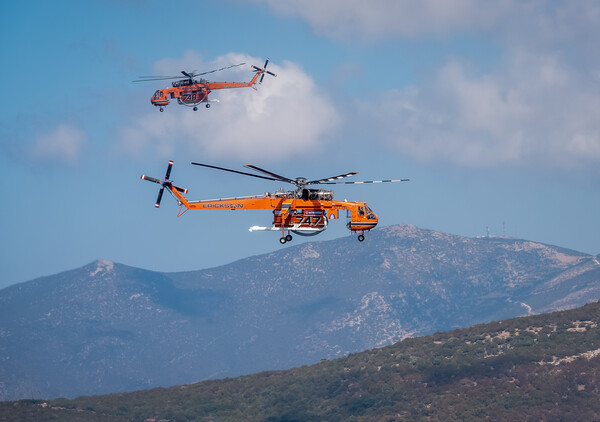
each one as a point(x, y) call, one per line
point(191, 92)
point(293, 213)
point(189, 95)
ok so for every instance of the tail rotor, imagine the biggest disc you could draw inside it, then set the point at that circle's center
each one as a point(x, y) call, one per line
point(263, 70)
point(166, 183)
point(169, 167)
point(160, 194)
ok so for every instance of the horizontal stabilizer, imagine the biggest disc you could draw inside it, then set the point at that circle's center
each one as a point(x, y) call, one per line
point(262, 229)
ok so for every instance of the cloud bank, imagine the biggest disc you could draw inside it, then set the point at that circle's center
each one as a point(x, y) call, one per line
point(536, 111)
point(376, 19)
point(538, 106)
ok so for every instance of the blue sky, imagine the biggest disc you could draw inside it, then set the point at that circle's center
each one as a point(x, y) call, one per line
point(491, 110)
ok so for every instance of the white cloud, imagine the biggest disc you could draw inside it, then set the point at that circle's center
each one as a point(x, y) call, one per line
point(535, 111)
point(537, 106)
point(352, 19)
point(523, 22)
point(284, 116)
point(63, 144)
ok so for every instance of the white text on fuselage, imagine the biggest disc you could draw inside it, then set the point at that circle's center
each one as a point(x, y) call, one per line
point(227, 206)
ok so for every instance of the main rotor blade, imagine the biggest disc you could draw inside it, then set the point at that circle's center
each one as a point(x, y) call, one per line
point(218, 70)
point(186, 74)
point(366, 181)
point(277, 177)
point(329, 179)
point(156, 78)
point(234, 171)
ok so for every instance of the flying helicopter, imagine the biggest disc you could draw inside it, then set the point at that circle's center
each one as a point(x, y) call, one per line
point(190, 91)
point(304, 211)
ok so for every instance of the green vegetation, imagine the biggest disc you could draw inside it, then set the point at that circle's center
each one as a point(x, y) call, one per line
point(543, 367)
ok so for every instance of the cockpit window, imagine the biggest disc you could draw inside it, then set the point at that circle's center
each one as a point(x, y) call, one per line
point(361, 211)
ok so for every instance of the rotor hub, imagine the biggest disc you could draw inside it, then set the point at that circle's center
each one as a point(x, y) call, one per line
point(301, 181)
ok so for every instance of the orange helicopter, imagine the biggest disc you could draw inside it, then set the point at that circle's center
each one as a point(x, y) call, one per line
point(191, 92)
point(303, 211)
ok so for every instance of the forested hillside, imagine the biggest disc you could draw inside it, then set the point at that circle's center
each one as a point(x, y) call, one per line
point(543, 367)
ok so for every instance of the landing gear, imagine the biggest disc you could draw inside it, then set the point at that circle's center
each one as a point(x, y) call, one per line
point(161, 109)
point(361, 237)
point(195, 108)
point(207, 105)
point(283, 239)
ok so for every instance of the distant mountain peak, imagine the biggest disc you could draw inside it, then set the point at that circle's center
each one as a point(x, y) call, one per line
point(102, 266)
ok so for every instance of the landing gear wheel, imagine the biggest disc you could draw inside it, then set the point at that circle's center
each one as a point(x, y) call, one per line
point(161, 109)
point(207, 105)
point(195, 108)
point(282, 240)
point(361, 237)
point(288, 238)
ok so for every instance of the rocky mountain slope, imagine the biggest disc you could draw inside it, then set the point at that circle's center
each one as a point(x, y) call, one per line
point(542, 367)
point(108, 327)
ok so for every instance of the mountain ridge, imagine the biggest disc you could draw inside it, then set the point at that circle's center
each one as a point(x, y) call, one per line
point(110, 327)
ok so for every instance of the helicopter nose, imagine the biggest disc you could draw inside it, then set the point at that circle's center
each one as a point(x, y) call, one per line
point(372, 217)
